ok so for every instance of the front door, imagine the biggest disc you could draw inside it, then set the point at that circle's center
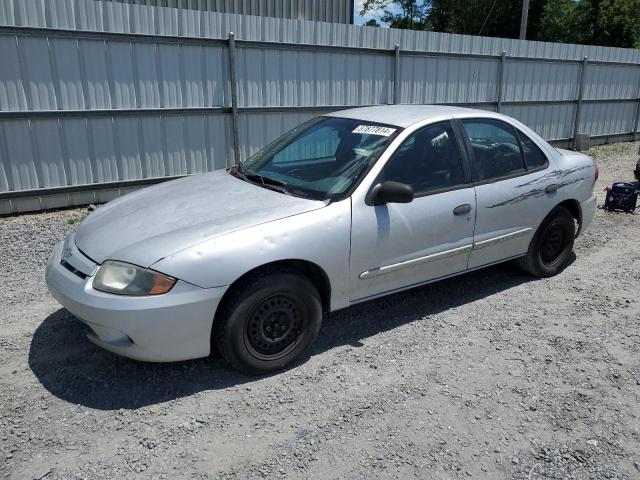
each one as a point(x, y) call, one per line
point(395, 246)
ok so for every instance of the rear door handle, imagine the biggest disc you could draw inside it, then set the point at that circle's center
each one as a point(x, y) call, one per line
point(462, 209)
point(553, 188)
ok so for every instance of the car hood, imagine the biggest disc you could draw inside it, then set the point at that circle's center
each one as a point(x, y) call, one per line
point(152, 223)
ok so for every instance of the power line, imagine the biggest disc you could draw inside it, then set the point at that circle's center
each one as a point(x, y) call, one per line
point(488, 15)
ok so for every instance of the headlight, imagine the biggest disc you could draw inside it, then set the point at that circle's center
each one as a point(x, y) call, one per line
point(126, 279)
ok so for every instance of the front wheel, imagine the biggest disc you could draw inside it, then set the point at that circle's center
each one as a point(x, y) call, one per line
point(268, 322)
point(551, 245)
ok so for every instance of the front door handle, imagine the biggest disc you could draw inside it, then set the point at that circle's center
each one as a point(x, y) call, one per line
point(462, 209)
point(553, 188)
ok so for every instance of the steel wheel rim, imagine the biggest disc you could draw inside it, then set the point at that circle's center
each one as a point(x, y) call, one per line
point(275, 327)
point(553, 243)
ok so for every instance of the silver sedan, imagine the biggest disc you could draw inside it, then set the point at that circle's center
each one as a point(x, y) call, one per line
point(347, 207)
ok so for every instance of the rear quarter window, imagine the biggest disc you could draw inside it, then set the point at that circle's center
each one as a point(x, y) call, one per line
point(533, 156)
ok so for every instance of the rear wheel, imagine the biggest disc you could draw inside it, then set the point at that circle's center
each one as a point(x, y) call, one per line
point(268, 322)
point(551, 245)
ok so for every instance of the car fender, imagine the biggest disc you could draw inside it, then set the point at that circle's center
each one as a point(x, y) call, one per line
point(320, 236)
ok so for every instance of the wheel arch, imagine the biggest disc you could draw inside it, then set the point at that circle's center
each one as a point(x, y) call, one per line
point(312, 271)
point(576, 212)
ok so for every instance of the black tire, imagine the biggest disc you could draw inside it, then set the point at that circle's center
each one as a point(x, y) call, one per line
point(268, 322)
point(551, 245)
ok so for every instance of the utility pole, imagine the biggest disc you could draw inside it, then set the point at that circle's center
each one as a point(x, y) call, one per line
point(523, 20)
point(411, 16)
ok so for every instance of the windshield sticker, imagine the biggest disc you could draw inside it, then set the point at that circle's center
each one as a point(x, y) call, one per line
point(374, 130)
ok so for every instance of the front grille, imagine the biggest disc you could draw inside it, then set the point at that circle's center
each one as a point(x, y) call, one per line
point(72, 269)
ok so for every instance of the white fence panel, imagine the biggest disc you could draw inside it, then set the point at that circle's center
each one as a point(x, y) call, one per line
point(101, 94)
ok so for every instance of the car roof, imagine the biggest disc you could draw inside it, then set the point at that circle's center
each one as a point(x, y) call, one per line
point(406, 115)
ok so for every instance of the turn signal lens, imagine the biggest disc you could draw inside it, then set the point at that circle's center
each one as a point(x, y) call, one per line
point(126, 279)
point(161, 284)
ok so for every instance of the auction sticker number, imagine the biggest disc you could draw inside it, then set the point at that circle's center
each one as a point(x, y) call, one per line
point(374, 130)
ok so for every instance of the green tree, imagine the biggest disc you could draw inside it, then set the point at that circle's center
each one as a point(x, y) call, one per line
point(618, 23)
point(407, 14)
point(613, 23)
point(565, 21)
point(597, 22)
point(497, 18)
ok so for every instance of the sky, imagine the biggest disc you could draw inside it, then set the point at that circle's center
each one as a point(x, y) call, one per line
point(358, 20)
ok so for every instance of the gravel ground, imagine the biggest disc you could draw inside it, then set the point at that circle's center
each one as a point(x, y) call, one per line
point(489, 375)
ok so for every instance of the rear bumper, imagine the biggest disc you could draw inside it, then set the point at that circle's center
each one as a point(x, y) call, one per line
point(163, 328)
point(588, 210)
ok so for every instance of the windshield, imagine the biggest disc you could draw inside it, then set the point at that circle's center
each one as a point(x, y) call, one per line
point(323, 158)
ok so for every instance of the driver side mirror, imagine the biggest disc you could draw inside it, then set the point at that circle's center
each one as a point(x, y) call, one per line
point(390, 192)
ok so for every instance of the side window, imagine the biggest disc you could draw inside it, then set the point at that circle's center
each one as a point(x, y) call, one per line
point(428, 160)
point(532, 153)
point(495, 147)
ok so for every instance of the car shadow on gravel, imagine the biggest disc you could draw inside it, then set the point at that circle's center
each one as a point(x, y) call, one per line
point(349, 326)
point(70, 367)
point(75, 370)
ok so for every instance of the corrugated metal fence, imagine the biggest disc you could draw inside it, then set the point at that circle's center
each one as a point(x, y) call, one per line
point(99, 97)
point(340, 11)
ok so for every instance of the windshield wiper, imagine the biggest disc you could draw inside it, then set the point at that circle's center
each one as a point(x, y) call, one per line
point(269, 183)
point(265, 182)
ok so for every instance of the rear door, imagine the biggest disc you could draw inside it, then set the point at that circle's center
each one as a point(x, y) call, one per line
point(510, 192)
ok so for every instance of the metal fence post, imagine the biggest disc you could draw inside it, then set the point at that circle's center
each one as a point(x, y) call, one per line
point(500, 80)
point(636, 117)
point(396, 74)
point(576, 117)
point(234, 97)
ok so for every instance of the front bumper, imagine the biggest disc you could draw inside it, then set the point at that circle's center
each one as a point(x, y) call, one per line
point(163, 328)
